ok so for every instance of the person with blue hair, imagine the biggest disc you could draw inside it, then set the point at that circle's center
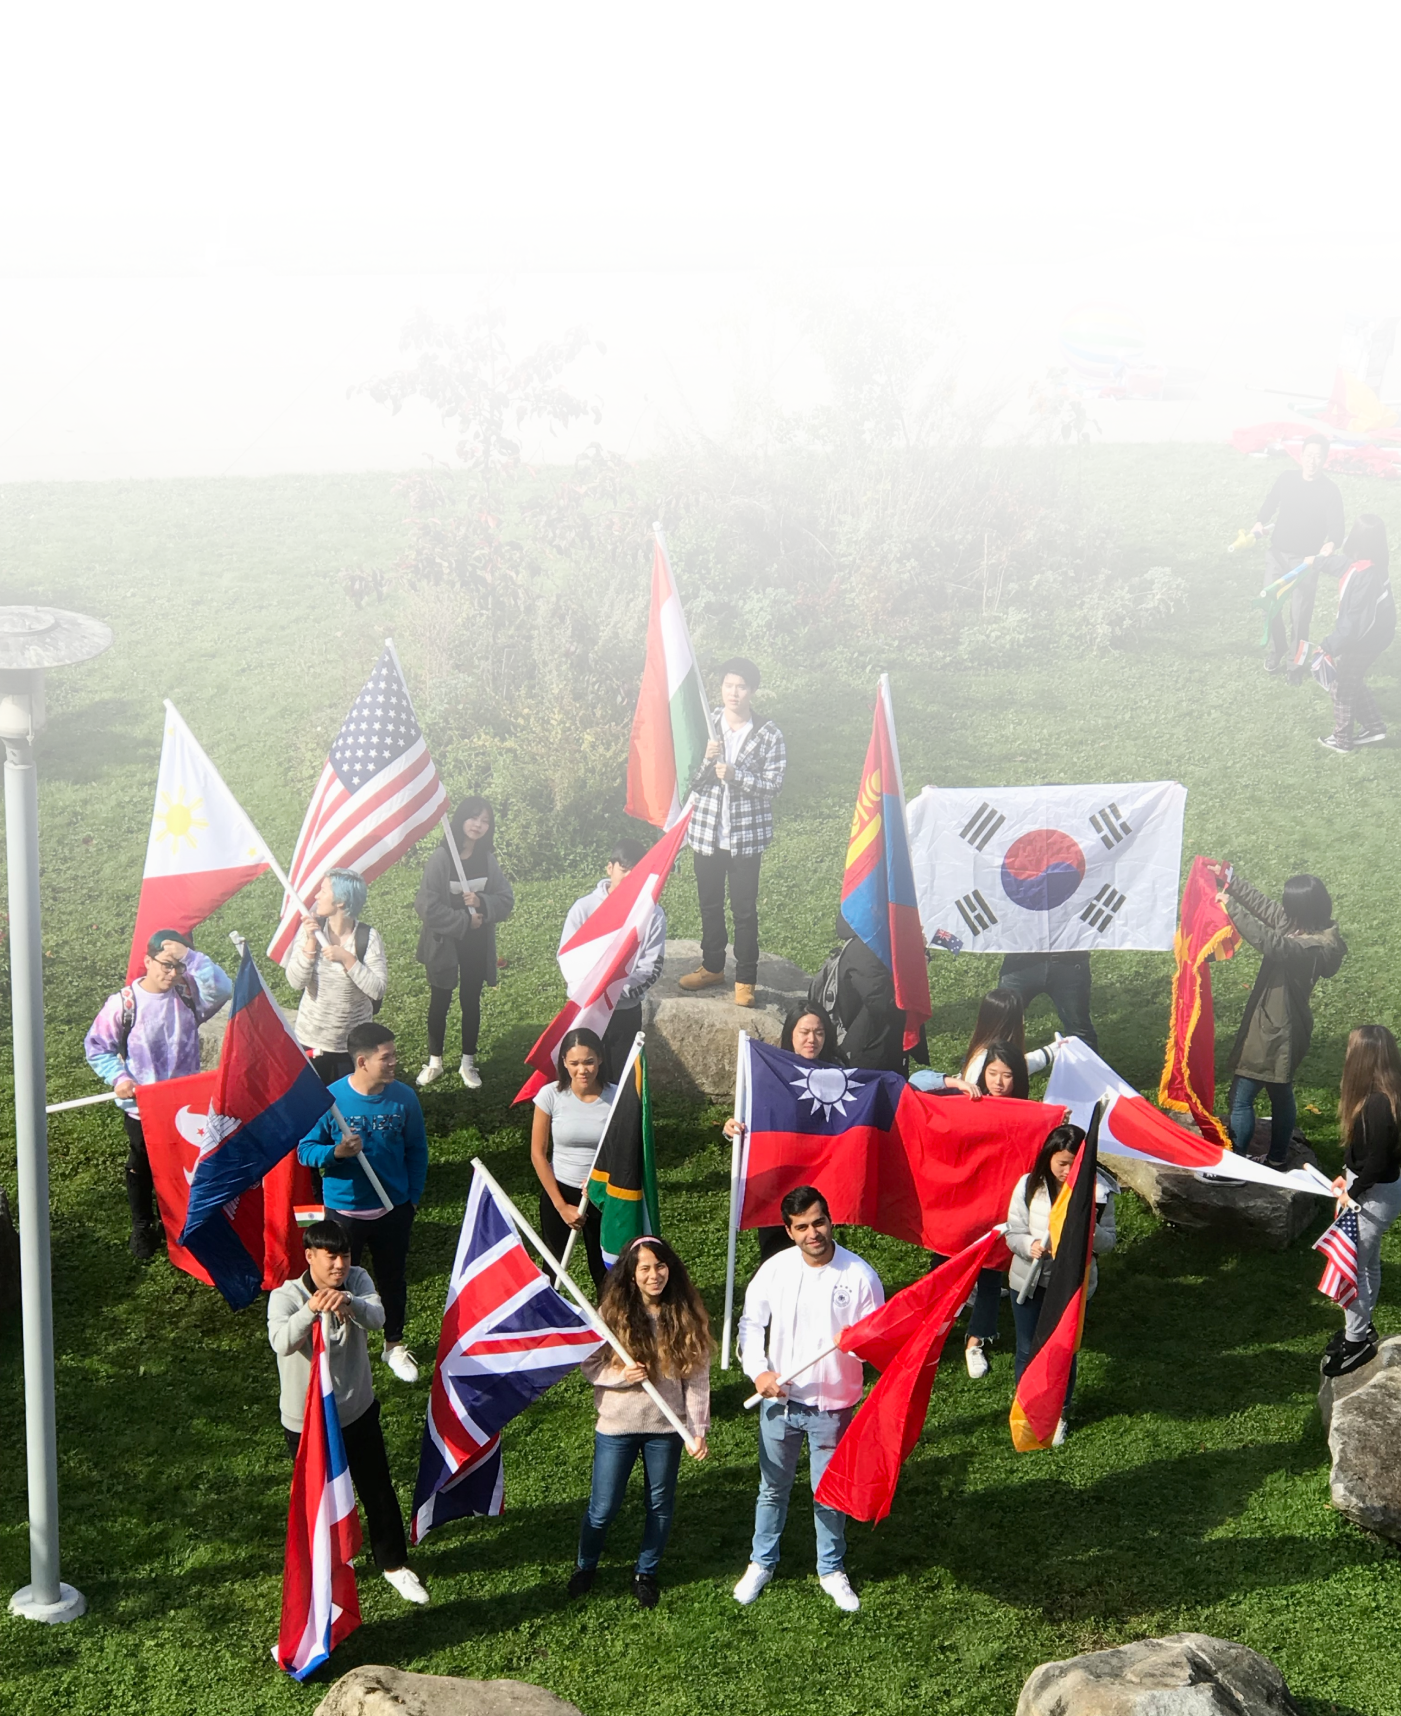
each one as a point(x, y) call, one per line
point(343, 981)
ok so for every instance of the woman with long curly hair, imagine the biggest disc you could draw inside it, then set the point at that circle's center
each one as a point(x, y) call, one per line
point(649, 1303)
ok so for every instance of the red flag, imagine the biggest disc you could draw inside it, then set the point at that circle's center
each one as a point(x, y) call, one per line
point(1204, 933)
point(903, 1340)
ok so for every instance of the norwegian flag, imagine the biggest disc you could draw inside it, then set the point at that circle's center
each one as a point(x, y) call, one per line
point(1339, 1246)
point(320, 1604)
point(378, 795)
point(507, 1337)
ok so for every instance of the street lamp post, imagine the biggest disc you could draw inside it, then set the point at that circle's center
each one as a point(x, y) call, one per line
point(32, 639)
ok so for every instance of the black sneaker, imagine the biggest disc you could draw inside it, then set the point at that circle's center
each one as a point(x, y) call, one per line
point(1351, 1356)
point(144, 1241)
point(1370, 736)
point(1295, 676)
point(1344, 747)
point(644, 1588)
point(1335, 1342)
point(1274, 663)
point(581, 1581)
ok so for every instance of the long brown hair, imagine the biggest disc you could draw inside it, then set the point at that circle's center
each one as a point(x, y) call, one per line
point(678, 1343)
point(1000, 1020)
point(1372, 1067)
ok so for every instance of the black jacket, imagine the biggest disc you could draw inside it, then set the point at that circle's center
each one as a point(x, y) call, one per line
point(1366, 621)
point(1374, 1149)
point(445, 919)
point(873, 1026)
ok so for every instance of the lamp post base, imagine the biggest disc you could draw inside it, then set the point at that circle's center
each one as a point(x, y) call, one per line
point(69, 1606)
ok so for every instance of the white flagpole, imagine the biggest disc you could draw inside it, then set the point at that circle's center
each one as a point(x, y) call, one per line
point(622, 1079)
point(595, 1321)
point(444, 822)
point(736, 1158)
point(81, 1102)
point(793, 1375)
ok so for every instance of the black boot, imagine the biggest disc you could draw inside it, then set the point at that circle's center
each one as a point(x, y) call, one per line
point(145, 1241)
point(581, 1582)
point(644, 1588)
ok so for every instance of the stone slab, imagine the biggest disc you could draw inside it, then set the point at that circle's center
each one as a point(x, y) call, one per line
point(1186, 1674)
point(378, 1690)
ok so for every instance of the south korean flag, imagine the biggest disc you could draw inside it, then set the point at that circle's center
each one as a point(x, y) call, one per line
point(1049, 869)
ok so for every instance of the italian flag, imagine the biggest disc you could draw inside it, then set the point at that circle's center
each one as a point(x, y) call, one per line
point(671, 727)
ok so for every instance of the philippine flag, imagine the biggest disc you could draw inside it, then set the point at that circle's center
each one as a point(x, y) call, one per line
point(878, 889)
point(266, 1100)
point(320, 1604)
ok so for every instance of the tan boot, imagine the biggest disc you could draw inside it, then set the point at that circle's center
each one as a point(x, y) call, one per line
point(744, 994)
point(700, 978)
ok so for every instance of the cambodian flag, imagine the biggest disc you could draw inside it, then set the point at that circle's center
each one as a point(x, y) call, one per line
point(878, 889)
point(320, 1604)
point(266, 1100)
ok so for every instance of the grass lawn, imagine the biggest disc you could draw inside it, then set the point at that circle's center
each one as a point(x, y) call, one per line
point(1193, 1494)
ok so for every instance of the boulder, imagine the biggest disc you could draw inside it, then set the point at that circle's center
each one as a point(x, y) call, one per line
point(1364, 1433)
point(211, 1038)
point(1187, 1674)
point(691, 1038)
point(1241, 1210)
point(1332, 1389)
point(9, 1256)
point(378, 1691)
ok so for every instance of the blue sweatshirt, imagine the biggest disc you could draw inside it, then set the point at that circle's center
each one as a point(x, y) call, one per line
point(390, 1127)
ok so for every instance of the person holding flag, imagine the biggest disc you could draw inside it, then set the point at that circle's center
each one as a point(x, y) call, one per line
point(342, 973)
point(566, 1131)
point(626, 1019)
point(148, 1032)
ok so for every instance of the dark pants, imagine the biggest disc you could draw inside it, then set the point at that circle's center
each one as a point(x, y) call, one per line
point(472, 953)
point(330, 1066)
point(1352, 701)
point(1065, 977)
point(388, 1240)
point(369, 1472)
point(1025, 1316)
point(554, 1230)
point(618, 1038)
point(1283, 1113)
point(613, 1460)
point(713, 871)
point(987, 1300)
point(1301, 600)
point(140, 1188)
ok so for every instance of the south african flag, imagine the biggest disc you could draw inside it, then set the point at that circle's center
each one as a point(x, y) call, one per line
point(624, 1179)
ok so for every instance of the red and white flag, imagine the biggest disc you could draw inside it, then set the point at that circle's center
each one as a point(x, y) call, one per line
point(202, 847)
point(378, 795)
point(598, 957)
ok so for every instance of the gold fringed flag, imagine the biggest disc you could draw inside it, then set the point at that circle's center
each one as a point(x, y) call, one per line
point(1204, 933)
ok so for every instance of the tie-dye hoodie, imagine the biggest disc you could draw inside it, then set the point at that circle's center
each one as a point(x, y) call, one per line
point(164, 1040)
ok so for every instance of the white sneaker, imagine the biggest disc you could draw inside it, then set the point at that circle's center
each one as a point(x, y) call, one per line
point(402, 1362)
point(434, 1070)
point(976, 1359)
point(470, 1076)
point(1058, 1440)
point(754, 1580)
point(407, 1583)
point(838, 1588)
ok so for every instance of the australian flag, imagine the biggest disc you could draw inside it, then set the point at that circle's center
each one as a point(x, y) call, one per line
point(1339, 1246)
point(266, 1099)
point(507, 1337)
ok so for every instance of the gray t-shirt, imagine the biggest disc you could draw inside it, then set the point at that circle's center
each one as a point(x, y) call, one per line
point(575, 1129)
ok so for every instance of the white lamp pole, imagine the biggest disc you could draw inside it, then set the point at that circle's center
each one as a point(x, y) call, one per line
point(32, 639)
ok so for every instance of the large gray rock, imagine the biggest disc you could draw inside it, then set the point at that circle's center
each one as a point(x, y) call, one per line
point(378, 1691)
point(1363, 1436)
point(1332, 1389)
point(1187, 1674)
point(1240, 1210)
point(211, 1038)
point(691, 1038)
point(9, 1256)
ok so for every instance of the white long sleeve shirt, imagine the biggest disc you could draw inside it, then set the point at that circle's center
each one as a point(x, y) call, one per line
point(793, 1311)
point(647, 967)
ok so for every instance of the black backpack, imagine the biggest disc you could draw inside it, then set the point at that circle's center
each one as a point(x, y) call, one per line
point(362, 947)
point(825, 987)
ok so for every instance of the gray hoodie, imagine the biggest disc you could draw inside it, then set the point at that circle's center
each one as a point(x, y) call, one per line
point(289, 1332)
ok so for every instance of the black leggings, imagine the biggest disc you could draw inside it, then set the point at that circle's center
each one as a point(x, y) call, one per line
point(369, 1472)
point(140, 1187)
point(554, 1230)
point(471, 975)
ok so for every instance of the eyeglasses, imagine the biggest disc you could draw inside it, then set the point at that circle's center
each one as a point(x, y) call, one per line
point(169, 964)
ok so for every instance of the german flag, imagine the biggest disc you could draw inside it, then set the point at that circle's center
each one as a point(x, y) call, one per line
point(624, 1179)
point(1040, 1397)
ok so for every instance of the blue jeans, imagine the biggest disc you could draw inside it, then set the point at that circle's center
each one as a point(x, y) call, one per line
point(1025, 1316)
point(782, 1426)
point(613, 1460)
point(1282, 1115)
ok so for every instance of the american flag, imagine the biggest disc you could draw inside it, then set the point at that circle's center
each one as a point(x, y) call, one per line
point(378, 795)
point(507, 1337)
point(1339, 1246)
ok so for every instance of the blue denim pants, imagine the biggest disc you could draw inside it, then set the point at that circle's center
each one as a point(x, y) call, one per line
point(613, 1460)
point(783, 1424)
point(1282, 1116)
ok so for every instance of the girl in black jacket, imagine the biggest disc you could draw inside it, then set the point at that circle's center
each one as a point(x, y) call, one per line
point(1365, 625)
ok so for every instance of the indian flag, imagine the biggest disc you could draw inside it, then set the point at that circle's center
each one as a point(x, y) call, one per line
point(671, 728)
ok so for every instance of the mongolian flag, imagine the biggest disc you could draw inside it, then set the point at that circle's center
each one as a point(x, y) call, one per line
point(878, 889)
point(1040, 1398)
point(624, 1179)
point(1204, 933)
point(671, 727)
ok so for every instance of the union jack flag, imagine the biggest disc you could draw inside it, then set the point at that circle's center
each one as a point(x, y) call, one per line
point(1339, 1246)
point(507, 1337)
point(378, 795)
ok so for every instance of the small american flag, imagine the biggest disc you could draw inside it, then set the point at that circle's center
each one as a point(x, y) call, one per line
point(1339, 1246)
point(378, 795)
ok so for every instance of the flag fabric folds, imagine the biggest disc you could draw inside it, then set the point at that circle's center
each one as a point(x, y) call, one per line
point(1339, 1246)
point(320, 1603)
point(1204, 933)
point(598, 957)
point(624, 1179)
point(507, 1336)
point(1039, 1401)
point(934, 1170)
point(266, 1099)
point(904, 1340)
point(202, 847)
point(671, 726)
point(378, 795)
point(878, 888)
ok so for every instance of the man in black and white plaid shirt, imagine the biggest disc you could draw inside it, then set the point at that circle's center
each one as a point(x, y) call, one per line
point(731, 825)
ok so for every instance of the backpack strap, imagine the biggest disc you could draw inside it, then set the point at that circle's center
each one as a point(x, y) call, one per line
point(127, 1020)
point(362, 941)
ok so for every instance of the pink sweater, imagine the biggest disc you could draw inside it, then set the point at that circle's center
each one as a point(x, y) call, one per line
point(625, 1410)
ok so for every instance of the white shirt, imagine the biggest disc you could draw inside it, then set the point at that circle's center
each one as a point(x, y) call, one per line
point(734, 740)
point(804, 1309)
point(646, 965)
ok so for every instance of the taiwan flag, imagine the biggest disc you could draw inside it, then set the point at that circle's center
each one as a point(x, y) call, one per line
point(878, 889)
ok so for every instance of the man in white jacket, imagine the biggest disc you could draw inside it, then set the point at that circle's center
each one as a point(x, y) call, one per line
point(794, 1308)
point(626, 1021)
